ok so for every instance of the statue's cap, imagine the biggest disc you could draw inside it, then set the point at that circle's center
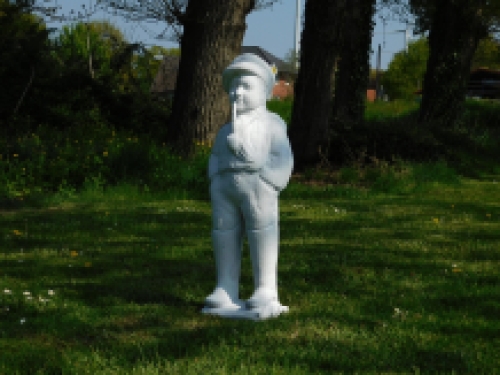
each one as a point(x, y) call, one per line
point(249, 63)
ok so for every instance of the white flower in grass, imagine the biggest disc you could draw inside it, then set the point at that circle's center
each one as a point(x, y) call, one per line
point(29, 298)
point(26, 293)
point(7, 291)
point(399, 313)
point(50, 292)
point(22, 320)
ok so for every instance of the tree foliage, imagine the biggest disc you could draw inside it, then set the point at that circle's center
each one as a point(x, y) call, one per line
point(291, 60)
point(100, 49)
point(50, 81)
point(23, 48)
point(406, 71)
point(89, 46)
point(487, 54)
point(455, 30)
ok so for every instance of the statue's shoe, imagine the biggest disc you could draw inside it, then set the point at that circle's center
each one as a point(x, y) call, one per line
point(220, 299)
point(262, 297)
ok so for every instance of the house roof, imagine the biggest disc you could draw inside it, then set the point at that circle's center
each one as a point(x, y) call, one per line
point(267, 57)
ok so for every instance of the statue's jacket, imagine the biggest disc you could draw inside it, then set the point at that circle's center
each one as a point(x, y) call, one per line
point(260, 145)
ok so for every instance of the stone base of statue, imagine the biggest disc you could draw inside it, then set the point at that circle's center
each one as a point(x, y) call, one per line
point(240, 311)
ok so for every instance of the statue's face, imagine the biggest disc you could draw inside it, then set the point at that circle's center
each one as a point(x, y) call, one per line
point(248, 92)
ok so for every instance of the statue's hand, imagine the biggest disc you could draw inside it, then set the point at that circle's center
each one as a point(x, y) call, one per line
point(234, 142)
point(236, 145)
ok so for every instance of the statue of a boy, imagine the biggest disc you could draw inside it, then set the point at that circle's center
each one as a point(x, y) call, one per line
point(250, 163)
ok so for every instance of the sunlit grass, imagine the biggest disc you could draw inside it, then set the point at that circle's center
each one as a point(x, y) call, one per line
point(113, 282)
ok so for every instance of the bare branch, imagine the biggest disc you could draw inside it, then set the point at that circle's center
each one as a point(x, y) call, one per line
point(30, 82)
point(263, 4)
point(176, 8)
point(170, 11)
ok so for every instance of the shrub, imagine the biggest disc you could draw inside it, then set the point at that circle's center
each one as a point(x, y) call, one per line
point(281, 107)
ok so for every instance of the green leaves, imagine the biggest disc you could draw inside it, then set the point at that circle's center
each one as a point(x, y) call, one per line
point(88, 46)
point(406, 71)
point(23, 41)
point(487, 54)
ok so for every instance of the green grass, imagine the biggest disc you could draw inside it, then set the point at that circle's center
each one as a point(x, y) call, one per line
point(384, 110)
point(390, 262)
point(376, 282)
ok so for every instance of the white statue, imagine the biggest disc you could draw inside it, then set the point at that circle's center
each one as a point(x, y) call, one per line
point(250, 163)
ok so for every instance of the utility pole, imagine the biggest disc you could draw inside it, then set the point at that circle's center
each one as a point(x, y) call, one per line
point(89, 52)
point(377, 73)
point(297, 33)
point(407, 36)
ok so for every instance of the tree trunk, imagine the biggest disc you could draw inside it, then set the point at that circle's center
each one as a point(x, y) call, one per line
point(213, 33)
point(309, 131)
point(351, 80)
point(456, 28)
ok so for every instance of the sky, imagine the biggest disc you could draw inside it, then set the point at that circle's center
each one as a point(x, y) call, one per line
point(272, 28)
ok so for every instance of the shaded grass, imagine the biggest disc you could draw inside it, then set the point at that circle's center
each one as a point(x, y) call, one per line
point(392, 132)
point(380, 110)
point(376, 282)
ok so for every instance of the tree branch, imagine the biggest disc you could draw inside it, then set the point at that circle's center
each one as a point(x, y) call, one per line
point(21, 99)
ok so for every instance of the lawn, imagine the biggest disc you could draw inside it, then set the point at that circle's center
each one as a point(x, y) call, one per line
point(112, 282)
point(390, 259)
